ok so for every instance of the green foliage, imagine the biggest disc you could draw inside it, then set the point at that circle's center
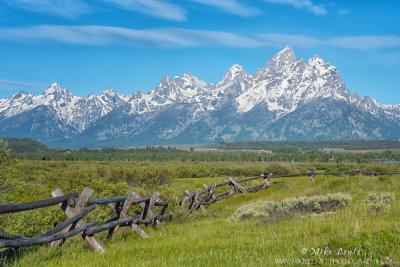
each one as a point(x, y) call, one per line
point(25, 145)
point(256, 151)
point(33, 222)
point(288, 206)
point(277, 169)
point(8, 170)
point(4, 152)
point(380, 202)
point(208, 238)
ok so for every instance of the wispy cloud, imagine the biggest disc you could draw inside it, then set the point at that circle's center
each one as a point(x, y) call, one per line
point(154, 8)
point(103, 35)
point(231, 6)
point(343, 12)
point(178, 37)
point(366, 42)
point(63, 8)
point(302, 4)
point(12, 85)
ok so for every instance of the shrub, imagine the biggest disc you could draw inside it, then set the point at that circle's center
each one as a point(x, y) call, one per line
point(379, 203)
point(288, 206)
point(277, 169)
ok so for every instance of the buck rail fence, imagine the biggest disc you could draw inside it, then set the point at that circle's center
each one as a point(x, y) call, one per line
point(196, 202)
point(75, 208)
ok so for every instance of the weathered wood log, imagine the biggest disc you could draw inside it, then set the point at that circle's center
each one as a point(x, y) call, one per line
point(7, 208)
point(164, 208)
point(237, 186)
point(69, 221)
point(125, 222)
point(83, 198)
point(153, 200)
point(112, 225)
point(159, 204)
point(194, 200)
point(122, 214)
point(183, 201)
point(145, 206)
point(162, 217)
point(149, 210)
point(6, 236)
point(8, 253)
point(312, 176)
point(134, 227)
point(149, 220)
point(257, 188)
point(266, 179)
point(23, 242)
point(114, 218)
point(70, 212)
point(190, 196)
point(198, 204)
point(116, 199)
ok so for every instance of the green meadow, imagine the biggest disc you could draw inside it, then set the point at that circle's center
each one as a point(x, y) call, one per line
point(351, 234)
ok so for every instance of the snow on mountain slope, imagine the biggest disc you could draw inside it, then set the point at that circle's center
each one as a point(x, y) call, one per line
point(75, 111)
point(286, 83)
point(239, 106)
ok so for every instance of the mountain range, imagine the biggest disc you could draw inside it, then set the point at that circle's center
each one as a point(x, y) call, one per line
point(288, 99)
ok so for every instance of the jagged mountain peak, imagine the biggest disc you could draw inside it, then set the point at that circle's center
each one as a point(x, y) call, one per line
point(316, 60)
point(234, 73)
point(20, 94)
point(56, 91)
point(284, 57)
point(166, 79)
point(287, 99)
point(109, 91)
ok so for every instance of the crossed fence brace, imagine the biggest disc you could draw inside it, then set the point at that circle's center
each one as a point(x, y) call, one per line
point(75, 207)
point(196, 202)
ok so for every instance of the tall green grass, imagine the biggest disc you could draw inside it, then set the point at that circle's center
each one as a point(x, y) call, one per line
point(211, 239)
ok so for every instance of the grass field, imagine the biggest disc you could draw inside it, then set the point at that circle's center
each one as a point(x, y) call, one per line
point(211, 239)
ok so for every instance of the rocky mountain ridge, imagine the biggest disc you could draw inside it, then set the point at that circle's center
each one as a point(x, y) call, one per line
point(287, 99)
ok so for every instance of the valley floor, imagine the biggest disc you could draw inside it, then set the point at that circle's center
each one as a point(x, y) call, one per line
point(353, 234)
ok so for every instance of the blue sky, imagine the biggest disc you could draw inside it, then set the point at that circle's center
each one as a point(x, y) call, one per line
point(129, 45)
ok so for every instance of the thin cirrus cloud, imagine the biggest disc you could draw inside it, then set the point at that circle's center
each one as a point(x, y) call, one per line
point(11, 85)
point(178, 37)
point(63, 8)
point(366, 42)
point(154, 8)
point(309, 5)
point(105, 35)
point(231, 6)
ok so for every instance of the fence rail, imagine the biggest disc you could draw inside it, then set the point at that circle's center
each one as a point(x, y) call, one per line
point(77, 206)
point(195, 202)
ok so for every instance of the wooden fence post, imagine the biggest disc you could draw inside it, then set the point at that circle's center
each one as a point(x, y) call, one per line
point(237, 186)
point(150, 209)
point(91, 241)
point(121, 214)
point(312, 176)
point(266, 179)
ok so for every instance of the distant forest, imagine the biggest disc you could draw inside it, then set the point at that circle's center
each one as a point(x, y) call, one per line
point(277, 146)
point(257, 151)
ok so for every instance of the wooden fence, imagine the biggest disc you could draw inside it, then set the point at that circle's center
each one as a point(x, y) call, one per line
point(196, 201)
point(75, 208)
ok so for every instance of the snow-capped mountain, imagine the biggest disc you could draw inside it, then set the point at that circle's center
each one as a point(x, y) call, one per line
point(287, 99)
